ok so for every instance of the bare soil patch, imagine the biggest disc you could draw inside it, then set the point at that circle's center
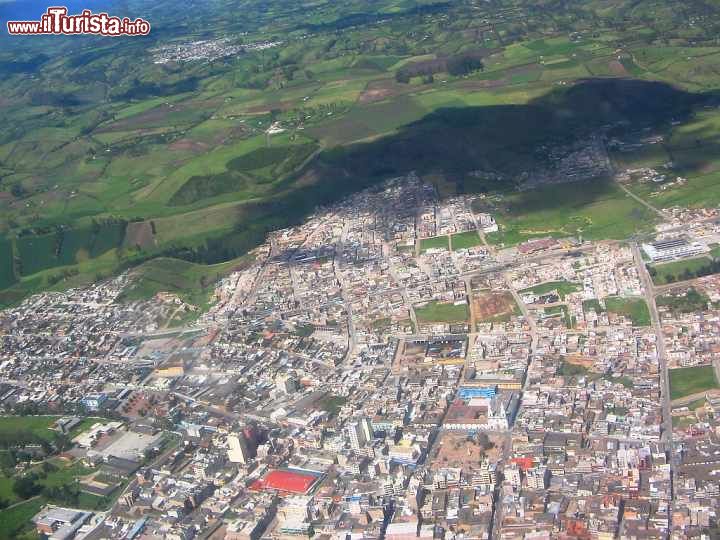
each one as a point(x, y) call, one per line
point(140, 234)
point(488, 305)
point(616, 68)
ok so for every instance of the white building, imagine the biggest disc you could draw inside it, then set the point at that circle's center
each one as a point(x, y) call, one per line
point(674, 248)
point(238, 449)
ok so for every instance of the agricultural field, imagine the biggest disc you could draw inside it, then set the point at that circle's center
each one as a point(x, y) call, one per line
point(692, 380)
point(7, 268)
point(636, 309)
point(692, 149)
point(436, 312)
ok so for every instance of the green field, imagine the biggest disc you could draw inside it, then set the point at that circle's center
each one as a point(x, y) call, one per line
point(7, 269)
point(194, 283)
point(562, 288)
point(561, 310)
point(592, 305)
point(688, 302)
point(635, 309)
point(19, 430)
point(591, 210)
point(37, 253)
point(465, 240)
point(688, 381)
point(68, 246)
point(680, 270)
point(435, 312)
point(16, 520)
point(11, 427)
point(64, 474)
point(715, 251)
point(436, 242)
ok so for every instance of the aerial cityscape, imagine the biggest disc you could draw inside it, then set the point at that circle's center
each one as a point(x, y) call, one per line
point(363, 270)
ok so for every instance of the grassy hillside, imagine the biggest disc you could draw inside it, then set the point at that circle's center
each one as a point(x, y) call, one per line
point(194, 283)
point(338, 97)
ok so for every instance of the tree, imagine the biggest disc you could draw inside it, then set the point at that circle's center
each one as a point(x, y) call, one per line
point(402, 77)
point(63, 442)
point(26, 486)
point(484, 441)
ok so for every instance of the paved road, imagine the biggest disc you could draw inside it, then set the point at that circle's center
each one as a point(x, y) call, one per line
point(403, 290)
point(649, 294)
point(533, 329)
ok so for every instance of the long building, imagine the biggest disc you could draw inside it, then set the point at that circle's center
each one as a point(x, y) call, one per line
point(674, 248)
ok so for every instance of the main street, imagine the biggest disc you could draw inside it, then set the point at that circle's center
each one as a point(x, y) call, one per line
point(649, 295)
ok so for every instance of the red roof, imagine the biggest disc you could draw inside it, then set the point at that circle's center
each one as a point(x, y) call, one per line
point(524, 463)
point(289, 481)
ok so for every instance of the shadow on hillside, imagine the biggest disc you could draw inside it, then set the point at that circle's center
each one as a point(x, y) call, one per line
point(510, 139)
point(506, 139)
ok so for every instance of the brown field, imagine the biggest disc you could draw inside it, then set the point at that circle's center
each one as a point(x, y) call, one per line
point(139, 234)
point(369, 96)
point(616, 68)
point(409, 355)
point(489, 305)
point(267, 107)
point(188, 144)
point(387, 88)
point(455, 450)
point(163, 115)
point(152, 116)
point(483, 282)
point(578, 360)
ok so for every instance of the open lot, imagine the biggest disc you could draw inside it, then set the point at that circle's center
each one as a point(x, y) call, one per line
point(435, 312)
point(635, 309)
point(465, 240)
point(493, 306)
point(688, 301)
point(437, 242)
point(562, 288)
point(691, 380)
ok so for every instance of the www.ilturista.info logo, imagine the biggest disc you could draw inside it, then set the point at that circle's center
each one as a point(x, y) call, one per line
point(56, 21)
